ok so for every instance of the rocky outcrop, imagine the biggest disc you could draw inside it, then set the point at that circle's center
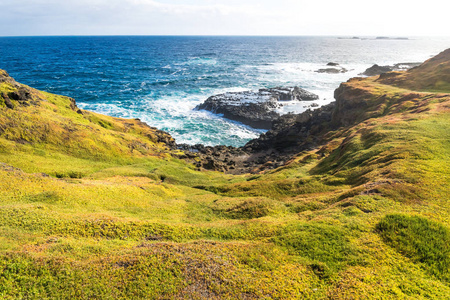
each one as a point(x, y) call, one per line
point(256, 109)
point(377, 70)
point(290, 93)
point(227, 159)
point(294, 131)
point(19, 94)
point(159, 136)
point(335, 69)
point(351, 103)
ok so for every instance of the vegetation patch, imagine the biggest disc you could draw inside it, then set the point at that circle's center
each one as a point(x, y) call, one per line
point(327, 247)
point(247, 208)
point(422, 240)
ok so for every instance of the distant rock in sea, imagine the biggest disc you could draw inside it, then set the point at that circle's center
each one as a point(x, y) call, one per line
point(350, 38)
point(255, 108)
point(379, 38)
point(336, 69)
point(391, 38)
point(377, 70)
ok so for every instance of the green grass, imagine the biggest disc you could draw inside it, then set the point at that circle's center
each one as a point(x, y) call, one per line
point(94, 207)
point(326, 247)
point(423, 241)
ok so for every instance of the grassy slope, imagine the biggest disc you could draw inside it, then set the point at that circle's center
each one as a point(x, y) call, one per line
point(121, 217)
point(433, 75)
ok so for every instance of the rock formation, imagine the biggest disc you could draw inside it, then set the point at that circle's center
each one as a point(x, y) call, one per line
point(377, 70)
point(335, 69)
point(257, 109)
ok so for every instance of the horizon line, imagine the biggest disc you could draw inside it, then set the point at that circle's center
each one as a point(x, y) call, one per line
point(349, 36)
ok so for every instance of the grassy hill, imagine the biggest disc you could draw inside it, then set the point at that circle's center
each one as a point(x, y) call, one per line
point(95, 207)
point(433, 75)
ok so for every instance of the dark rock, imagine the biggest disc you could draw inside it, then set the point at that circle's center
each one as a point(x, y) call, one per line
point(332, 70)
point(7, 101)
point(22, 95)
point(378, 70)
point(335, 70)
point(405, 66)
point(293, 133)
point(290, 93)
point(351, 104)
point(256, 109)
point(73, 105)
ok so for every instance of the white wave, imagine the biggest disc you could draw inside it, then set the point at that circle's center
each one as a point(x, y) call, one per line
point(199, 61)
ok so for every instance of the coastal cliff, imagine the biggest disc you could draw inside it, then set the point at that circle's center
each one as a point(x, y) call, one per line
point(346, 201)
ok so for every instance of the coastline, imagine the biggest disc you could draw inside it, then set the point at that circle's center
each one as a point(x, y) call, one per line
point(349, 200)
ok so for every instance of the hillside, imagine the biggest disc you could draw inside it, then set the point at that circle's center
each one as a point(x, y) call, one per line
point(351, 202)
point(433, 75)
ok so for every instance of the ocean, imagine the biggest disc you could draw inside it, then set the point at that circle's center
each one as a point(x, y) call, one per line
point(160, 79)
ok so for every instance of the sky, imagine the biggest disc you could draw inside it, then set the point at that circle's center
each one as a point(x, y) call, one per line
point(224, 17)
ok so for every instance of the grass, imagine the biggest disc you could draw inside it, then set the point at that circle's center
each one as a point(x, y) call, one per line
point(422, 240)
point(327, 248)
point(94, 207)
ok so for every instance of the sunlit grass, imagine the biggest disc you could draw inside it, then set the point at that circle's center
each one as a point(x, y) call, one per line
point(95, 207)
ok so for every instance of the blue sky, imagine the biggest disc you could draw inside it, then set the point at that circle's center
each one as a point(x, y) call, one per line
point(231, 17)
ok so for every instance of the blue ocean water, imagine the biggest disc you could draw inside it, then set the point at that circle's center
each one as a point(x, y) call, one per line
point(161, 79)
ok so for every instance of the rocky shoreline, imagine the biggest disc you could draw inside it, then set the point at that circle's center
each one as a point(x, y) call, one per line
point(290, 134)
point(287, 136)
